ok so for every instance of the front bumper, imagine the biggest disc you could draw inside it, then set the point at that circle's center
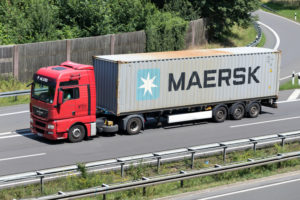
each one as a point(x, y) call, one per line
point(40, 128)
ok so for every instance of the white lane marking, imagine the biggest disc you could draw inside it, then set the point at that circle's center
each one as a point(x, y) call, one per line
point(288, 101)
point(19, 157)
point(17, 135)
point(294, 95)
point(250, 189)
point(14, 113)
point(264, 122)
point(274, 33)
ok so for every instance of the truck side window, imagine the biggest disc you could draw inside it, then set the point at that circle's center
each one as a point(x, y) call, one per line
point(71, 93)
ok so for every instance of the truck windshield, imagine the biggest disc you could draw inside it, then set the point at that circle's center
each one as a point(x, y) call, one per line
point(43, 92)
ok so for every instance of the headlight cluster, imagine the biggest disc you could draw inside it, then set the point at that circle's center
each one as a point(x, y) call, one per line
point(50, 126)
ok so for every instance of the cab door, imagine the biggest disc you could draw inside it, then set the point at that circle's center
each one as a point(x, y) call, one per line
point(70, 98)
point(82, 104)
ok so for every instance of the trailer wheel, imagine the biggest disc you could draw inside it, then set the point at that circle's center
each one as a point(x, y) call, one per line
point(237, 111)
point(134, 126)
point(76, 133)
point(253, 110)
point(219, 114)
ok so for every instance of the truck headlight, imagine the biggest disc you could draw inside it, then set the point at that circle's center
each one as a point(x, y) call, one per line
point(31, 120)
point(50, 133)
point(50, 126)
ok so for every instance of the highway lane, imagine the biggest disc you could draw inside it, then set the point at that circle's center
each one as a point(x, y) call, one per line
point(288, 32)
point(20, 152)
point(283, 186)
point(29, 152)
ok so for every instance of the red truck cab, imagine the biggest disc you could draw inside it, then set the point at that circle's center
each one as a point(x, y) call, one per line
point(63, 102)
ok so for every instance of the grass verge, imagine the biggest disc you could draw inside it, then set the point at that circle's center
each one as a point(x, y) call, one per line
point(262, 41)
point(8, 83)
point(73, 182)
point(286, 9)
point(288, 85)
point(239, 37)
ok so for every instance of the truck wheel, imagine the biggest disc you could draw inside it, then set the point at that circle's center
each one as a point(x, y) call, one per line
point(253, 110)
point(219, 114)
point(237, 111)
point(134, 126)
point(76, 133)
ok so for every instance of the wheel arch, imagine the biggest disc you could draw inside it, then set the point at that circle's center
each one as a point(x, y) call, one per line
point(82, 124)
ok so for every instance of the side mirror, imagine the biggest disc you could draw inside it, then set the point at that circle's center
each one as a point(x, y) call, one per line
point(60, 97)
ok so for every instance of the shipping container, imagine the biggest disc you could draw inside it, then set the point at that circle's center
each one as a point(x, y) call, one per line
point(147, 82)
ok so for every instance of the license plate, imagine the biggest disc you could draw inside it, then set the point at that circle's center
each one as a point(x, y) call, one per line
point(40, 134)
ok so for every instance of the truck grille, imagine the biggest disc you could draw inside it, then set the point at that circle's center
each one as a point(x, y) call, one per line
point(41, 124)
point(40, 112)
point(40, 130)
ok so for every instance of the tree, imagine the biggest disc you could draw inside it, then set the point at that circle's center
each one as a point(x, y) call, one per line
point(220, 15)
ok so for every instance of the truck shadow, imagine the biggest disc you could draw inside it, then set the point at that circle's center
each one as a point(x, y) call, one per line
point(27, 133)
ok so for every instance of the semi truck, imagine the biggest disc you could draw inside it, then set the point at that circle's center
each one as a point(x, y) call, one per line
point(120, 93)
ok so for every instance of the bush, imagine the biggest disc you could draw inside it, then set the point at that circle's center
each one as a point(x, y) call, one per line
point(165, 32)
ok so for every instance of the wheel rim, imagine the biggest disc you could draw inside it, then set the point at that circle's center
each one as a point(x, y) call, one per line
point(134, 126)
point(76, 132)
point(238, 112)
point(254, 110)
point(220, 114)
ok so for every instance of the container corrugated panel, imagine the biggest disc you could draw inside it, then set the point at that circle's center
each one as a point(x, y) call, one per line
point(158, 81)
point(106, 77)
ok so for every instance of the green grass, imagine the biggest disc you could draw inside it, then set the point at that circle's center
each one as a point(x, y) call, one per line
point(240, 37)
point(285, 9)
point(262, 41)
point(288, 85)
point(8, 83)
point(73, 182)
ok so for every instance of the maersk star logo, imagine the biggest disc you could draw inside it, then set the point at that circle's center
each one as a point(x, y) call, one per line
point(148, 81)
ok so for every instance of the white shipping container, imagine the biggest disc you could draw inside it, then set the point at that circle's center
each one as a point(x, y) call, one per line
point(144, 82)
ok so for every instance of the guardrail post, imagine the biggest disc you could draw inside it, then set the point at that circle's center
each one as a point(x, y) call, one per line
point(104, 195)
point(144, 188)
point(41, 175)
point(158, 157)
point(282, 141)
point(181, 182)
point(254, 144)
point(122, 169)
point(192, 159)
point(224, 152)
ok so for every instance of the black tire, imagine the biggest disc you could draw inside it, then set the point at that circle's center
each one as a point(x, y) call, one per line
point(237, 111)
point(134, 126)
point(253, 110)
point(219, 114)
point(76, 133)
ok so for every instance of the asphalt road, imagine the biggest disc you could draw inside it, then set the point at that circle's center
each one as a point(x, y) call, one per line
point(288, 32)
point(279, 187)
point(22, 151)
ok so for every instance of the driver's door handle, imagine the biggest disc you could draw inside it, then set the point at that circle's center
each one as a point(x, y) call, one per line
point(73, 113)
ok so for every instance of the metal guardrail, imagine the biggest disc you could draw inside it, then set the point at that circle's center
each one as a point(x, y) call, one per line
point(181, 176)
point(268, 8)
point(150, 158)
point(14, 93)
point(258, 35)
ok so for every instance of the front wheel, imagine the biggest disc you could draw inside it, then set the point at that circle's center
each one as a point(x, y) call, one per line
point(134, 126)
point(76, 133)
